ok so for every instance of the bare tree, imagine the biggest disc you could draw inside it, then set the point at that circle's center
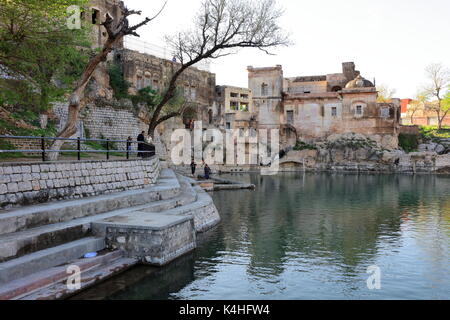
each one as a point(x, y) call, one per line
point(419, 103)
point(222, 27)
point(439, 77)
point(385, 93)
point(116, 30)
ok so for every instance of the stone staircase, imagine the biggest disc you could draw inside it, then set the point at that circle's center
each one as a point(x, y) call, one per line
point(38, 243)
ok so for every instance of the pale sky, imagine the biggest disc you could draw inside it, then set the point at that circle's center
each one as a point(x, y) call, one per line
point(390, 40)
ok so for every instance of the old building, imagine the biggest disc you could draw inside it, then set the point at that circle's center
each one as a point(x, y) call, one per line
point(315, 107)
point(235, 108)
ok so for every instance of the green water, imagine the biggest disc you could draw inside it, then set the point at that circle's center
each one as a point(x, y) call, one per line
point(312, 236)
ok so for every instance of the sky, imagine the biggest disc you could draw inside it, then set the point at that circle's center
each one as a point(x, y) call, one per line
point(391, 41)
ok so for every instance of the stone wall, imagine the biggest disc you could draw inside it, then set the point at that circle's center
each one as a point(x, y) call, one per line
point(30, 183)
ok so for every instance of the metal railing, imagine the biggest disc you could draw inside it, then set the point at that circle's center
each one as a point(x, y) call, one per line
point(144, 150)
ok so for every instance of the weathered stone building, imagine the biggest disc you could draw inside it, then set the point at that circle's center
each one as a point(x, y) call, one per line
point(315, 107)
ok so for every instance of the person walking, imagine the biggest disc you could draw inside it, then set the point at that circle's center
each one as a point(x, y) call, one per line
point(141, 139)
point(193, 167)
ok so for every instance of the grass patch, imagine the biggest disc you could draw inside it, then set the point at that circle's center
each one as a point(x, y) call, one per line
point(434, 134)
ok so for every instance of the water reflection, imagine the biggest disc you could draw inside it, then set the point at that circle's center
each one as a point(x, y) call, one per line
point(312, 236)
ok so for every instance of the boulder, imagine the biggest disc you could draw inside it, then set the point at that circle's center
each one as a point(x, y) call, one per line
point(440, 149)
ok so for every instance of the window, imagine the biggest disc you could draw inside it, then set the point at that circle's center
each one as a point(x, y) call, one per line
point(244, 107)
point(241, 132)
point(139, 83)
point(146, 82)
point(385, 112)
point(228, 125)
point(234, 95)
point(210, 116)
point(359, 110)
point(193, 93)
point(95, 16)
point(290, 117)
point(433, 121)
point(234, 105)
point(334, 112)
point(244, 96)
point(155, 85)
point(264, 89)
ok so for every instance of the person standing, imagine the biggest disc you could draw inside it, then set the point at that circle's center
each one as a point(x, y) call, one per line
point(207, 171)
point(141, 140)
point(193, 167)
point(129, 144)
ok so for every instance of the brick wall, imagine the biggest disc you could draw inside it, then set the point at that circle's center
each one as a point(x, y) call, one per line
point(30, 183)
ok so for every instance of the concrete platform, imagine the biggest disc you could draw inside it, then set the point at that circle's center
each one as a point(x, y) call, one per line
point(153, 238)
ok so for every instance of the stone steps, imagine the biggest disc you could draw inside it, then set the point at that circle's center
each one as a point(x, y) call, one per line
point(35, 216)
point(39, 281)
point(44, 259)
point(91, 277)
point(166, 194)
point(34, 257)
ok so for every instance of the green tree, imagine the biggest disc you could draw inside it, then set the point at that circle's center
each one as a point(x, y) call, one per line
point(38, 51)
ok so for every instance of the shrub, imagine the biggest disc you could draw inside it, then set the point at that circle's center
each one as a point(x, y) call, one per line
point(408, 142)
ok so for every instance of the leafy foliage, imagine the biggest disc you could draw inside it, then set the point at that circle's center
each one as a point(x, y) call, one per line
point(303, 146)
point(39, 51)
point(408, 142)
point(117, 82)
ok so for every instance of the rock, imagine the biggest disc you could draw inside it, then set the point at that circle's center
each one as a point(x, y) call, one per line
point(440, 149)
point(391, 157)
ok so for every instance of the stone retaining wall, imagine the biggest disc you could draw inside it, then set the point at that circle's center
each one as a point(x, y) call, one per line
point(30, 183)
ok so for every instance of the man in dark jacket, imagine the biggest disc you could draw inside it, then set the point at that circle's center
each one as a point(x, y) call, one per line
point(193, 167)
point(141, 138)
point(207, 171)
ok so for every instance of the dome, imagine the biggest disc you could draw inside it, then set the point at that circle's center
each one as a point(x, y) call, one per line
point(359, 82)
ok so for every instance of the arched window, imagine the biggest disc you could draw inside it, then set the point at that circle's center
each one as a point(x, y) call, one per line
point(336, 89)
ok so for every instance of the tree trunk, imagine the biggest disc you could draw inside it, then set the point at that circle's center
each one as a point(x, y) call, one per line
point(76, 98)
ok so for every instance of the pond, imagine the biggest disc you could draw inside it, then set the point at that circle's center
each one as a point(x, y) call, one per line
point(311, 236)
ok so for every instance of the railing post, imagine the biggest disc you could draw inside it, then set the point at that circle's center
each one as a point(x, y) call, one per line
point(107, 149)
point(43, 148)
point(128, 150)
point(79, 148)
